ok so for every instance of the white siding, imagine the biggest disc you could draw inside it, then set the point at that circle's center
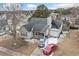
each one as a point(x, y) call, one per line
point(29, 35)
point(46, 33)
point(49, 19)
point(54, 32)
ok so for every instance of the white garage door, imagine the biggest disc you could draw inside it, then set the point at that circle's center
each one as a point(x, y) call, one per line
point(54, 33)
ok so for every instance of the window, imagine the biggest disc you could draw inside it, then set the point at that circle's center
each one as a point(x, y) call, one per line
point(41, 35)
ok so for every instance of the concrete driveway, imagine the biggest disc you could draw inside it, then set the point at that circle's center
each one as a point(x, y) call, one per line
point(37, 52)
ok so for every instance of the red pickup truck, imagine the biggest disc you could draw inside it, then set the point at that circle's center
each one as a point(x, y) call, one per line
point(49, 49)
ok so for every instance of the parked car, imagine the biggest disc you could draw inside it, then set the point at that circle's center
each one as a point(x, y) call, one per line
point(49, 49)
point(41, 43)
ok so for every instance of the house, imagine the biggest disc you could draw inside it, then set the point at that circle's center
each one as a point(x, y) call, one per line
point(26, 31)
point(37, 27)
point(41, 27)
point(63, 20)
point(54, 16)
point(56, 28)
point(70, 22)
point(77, 23)
point(66, 24)
point(3, 24)
point(40, 30)
point(56, 25)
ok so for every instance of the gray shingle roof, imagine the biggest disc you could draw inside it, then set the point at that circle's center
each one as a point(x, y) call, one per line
point(38, 25)
point(40, 28)
point(3, 22)
point(56, 23)
point(39, 20)
point(28, 26)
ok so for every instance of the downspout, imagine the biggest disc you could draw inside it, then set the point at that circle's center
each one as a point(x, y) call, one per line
point(32, 31)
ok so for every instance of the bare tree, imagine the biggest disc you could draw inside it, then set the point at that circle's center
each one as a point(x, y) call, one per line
point(14, 8)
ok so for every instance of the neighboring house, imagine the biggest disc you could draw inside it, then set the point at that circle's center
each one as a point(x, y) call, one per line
point(3, 24)
point(57, 24)
point(56, 28)
point(70, 21)
point(54, 16)
point(66, 24)
point(77, 23)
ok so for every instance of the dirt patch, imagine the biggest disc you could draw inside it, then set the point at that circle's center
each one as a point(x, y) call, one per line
point(70, 45)
point(26, 49)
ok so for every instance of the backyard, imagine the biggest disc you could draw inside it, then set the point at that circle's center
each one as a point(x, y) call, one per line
point(7, 47)
point(70, 45)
